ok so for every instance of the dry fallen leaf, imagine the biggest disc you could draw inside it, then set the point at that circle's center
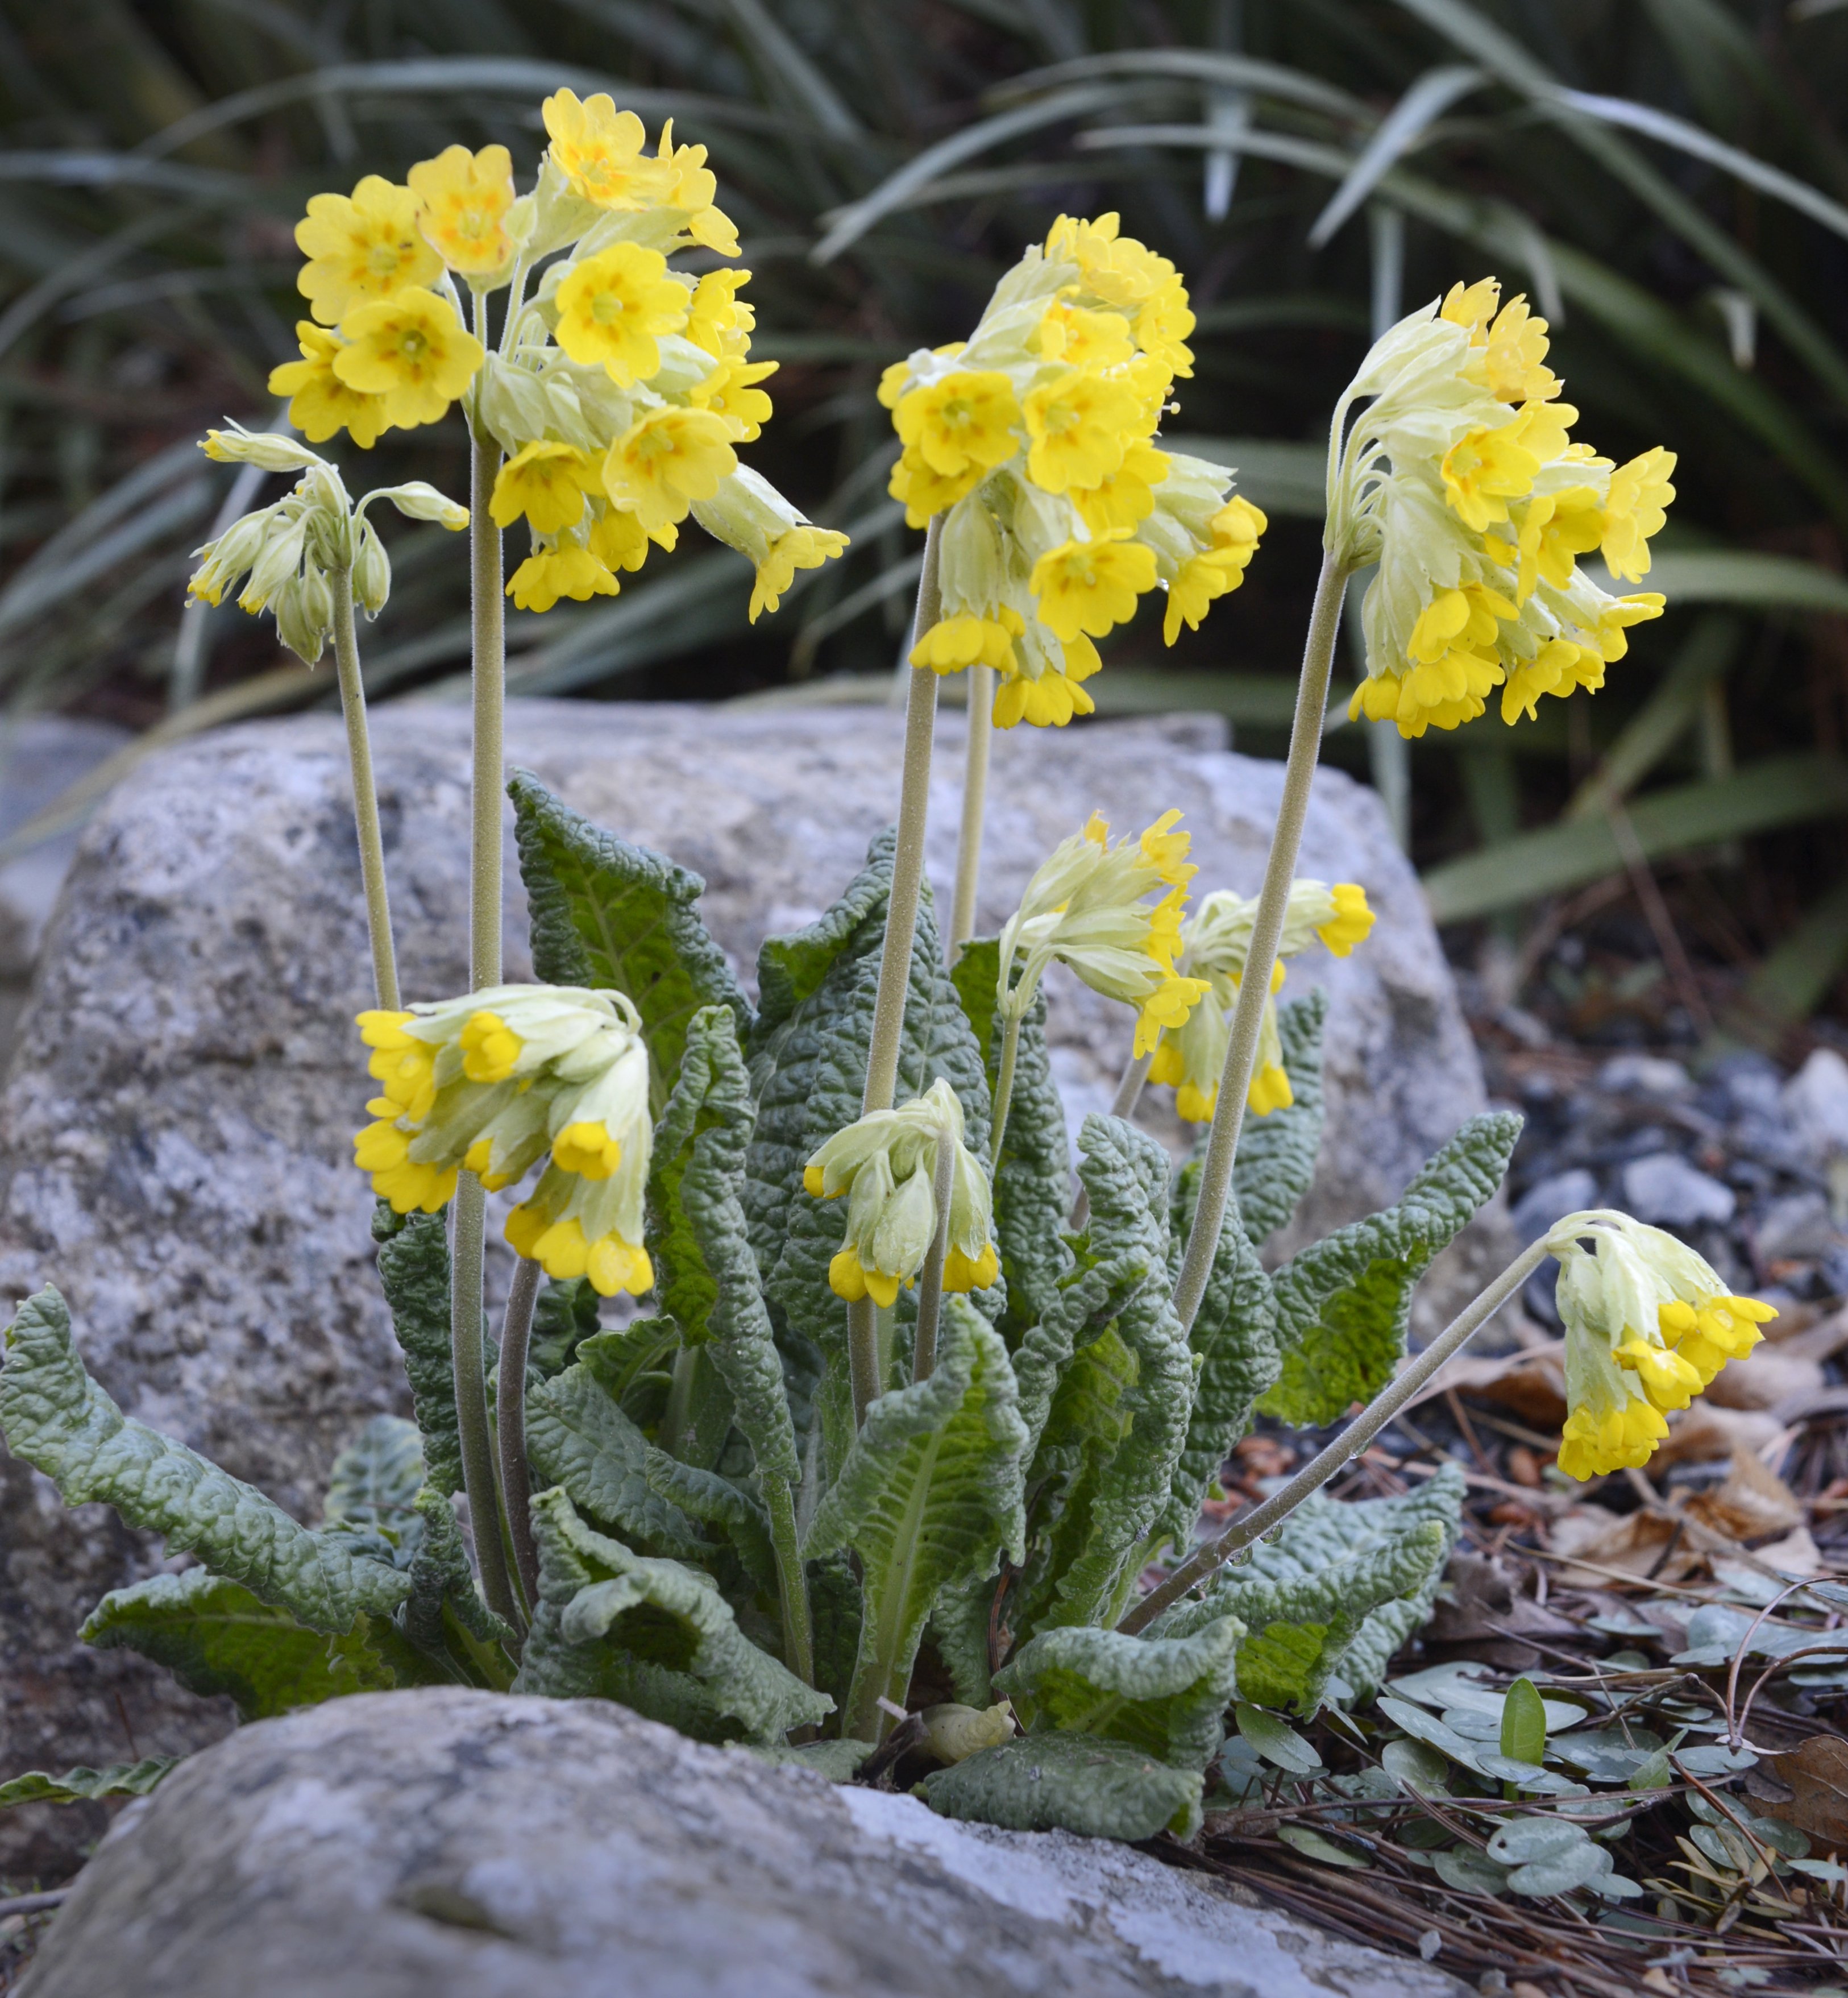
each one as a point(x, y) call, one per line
point(1632, 1543)
point(1766, 1378)
point(1701, 1434)
point(1817, 1771)
point(1532, 1383)
point(1754, 1500)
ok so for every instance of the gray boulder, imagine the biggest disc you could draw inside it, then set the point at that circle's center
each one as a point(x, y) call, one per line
point(454, 1844)
point(175, 1136)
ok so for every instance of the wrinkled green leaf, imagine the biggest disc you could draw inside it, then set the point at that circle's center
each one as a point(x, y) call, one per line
point(58, 1420)
point(1033, 1177)
point(215, 1637)
point(929, 1496)
point(1343, 1305)
point(1276, 1154)
point(445, 1609)
point(81, 1786)
point(564, 1315)
point(1109, 1497)
point(413, 1272)
point(1166, 1696)
point(664, 1615)
point(577, 1437)
point(618, 917)
point(1083, 1783)
point(373, 1486)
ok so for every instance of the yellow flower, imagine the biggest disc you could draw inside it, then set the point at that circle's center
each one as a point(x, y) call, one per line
point(614, 306)
point(718, 320)
point(799, 547)
point(956, 643)
point(1485, 468)
point(462, 202)
point(1081, 339)
point(925, 492)
point(1555, 529)
point(691, 185)
point(1633, 511)
point(620, 541)
point(730, 391)
point(1162, 327)
point(1554, 670)
point(1215, 571)
point(1127, 496)
point(1509, 347)
point(666, 460)
point(361, 246)
point(1116, 267)
point(546, 483)
point(962, 423)
point(411, 349)
point(320, 403)
point(1079, 425)
point(567, 571)
point(1048, 701)
point(598, 149)
point(1353, 921)
point(1089, 586)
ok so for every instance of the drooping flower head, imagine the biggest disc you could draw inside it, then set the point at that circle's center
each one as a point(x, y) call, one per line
point(1459, 479)
point(619, 385)
point(1648, 1326)
point(886, 1164)
point(288, 550)
point(497, 1080)
point(1213, 946)
point(1035, 440)
point(1087, 906)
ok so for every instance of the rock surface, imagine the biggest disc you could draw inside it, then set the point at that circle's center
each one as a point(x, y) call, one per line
point(175, 1138)
point(406, 1845)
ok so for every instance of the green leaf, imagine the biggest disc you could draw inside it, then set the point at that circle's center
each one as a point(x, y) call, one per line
point(374, 1485)
point(1165, 1696)
point(808, 1055)
point(1313, 1845)
point(929, 1496)
point(1278, 1743)
point(59, 1421)
point(564, 1315)
point(413, 1272)
point(1338, 1589)
point(1071, 1782)
point(215, 1637)
point(617, 918)
point(445, 1609)
point(1276, 1153)
point(665, 1616)
point(1344, 1304)
point(82, 1786)
point(1524, 1723)
point(705, 1495)
point(706, 1277)
point(1033, 1177)
point(1106, 1463)
point(578, 1437)
point(836, 1760)
point(959, 1628)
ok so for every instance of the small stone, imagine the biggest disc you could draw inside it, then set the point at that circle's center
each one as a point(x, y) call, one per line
point(1797, 1225)
point(1751, 1081)
point(1646, 1075)
point(1550, 1200)
point(1815, 1100)
point(1665, 1191)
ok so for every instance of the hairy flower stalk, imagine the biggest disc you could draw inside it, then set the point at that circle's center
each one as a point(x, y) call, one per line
point(975, 800)
point(1457, 479)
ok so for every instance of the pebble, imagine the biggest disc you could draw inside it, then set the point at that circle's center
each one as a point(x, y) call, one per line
point(1815, 1100)
point(1551, 1200)
point(1646, 1075)
point(1664, 1189)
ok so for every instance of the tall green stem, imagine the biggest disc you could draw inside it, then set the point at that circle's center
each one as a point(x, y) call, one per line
point(975, 799)
point(901, 931)
point(516, 1340)
point(1346, 1447)
point(466, 1343)
point(1010, 1050)
point(930, 1282)
point(365, 793)
point(1267, 930)
point(792, 1578)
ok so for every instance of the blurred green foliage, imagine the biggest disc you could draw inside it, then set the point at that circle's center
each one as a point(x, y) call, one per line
point(1668, 180)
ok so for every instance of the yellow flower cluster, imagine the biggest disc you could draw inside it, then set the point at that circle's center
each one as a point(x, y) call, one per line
point(618, 391)
point(1086, 906)
point(1648, 1326)
point(1191, 1057)
point(492, 1084)
point(1035, 439)
point(1461, 481)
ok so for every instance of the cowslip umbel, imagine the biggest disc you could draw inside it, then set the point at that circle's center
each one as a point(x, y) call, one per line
point(288, 550)
point(1191, 1057)
point(885, 1164)
point(1035, 439)
point(1087, 907)
point(499, 1080)
point(1649, 1324)
point(1461, 479)
point(618, 390)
